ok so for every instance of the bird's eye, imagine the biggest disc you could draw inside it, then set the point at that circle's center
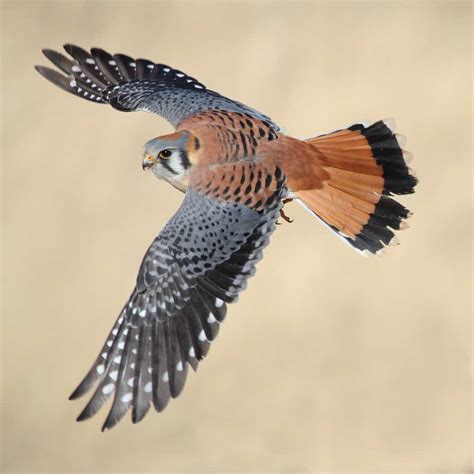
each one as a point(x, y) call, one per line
point(165, 153)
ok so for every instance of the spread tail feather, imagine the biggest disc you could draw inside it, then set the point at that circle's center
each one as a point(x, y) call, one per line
point(365, 165)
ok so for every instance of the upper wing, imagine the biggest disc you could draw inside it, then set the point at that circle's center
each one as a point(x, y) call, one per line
point(135, 84)
point(199, 262)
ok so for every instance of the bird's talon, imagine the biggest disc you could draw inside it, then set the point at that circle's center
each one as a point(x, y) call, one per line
point(282, 212)
point(285, 217)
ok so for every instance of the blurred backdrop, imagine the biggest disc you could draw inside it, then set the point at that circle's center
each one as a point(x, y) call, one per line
point(330, 361)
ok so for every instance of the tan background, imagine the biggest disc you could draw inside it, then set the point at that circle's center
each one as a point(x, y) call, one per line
point(330, 362)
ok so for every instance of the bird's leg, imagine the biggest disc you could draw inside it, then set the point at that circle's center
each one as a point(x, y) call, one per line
point(282, 212)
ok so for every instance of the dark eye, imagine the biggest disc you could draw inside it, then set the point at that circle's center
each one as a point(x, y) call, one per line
point(165, 154)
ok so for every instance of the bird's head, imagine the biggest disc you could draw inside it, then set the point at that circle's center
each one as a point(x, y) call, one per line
point(169, 157)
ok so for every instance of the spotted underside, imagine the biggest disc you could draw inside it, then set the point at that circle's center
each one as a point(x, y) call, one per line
point(199, 262)
point(245, 182)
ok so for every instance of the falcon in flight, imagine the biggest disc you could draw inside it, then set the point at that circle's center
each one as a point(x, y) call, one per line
point(237, 169)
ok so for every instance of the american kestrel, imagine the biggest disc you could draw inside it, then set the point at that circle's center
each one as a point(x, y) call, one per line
point(237, 169)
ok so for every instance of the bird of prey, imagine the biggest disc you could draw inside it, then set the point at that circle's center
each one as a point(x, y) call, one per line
point(237, 169)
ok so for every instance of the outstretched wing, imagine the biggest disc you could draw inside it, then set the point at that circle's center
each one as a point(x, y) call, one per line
point(135, 84)
point(199, 262)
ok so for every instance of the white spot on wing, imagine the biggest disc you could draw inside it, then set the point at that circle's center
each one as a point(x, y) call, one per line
point(90, 61)
point(100, 369)
point(121, 345)
point(109, 388)
point(218, 303)
point(113, 375)
point(179, 366)
point(166, 377)
point(192, 352)
point(76, 68)
point(147, 387)
point(73, 83)
point(202, 336)
point(130, 381)
point(211, 319)
point(127, 397)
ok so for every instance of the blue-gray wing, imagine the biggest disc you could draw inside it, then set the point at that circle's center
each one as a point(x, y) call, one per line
point(130, 84)
point(199, 262)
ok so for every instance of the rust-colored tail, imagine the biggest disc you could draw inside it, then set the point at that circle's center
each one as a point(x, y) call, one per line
point(365, 165)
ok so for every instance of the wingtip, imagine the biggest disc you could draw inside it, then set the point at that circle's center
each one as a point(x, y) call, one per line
point(107, 426)
point(69, 47)
point(48, 51)
point(44, 70)
point(74, 49)
point(78, 392)
point(51, 54)
point(73, 396)
point(87, 412)
point(82, 417)
point(109, 423)
point(96, 51)
point(136, 418)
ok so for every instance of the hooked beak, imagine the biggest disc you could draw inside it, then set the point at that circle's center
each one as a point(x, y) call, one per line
point(148, 161)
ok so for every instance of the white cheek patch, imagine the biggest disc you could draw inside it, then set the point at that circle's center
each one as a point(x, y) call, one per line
point(177, 163)
point(173, 169)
